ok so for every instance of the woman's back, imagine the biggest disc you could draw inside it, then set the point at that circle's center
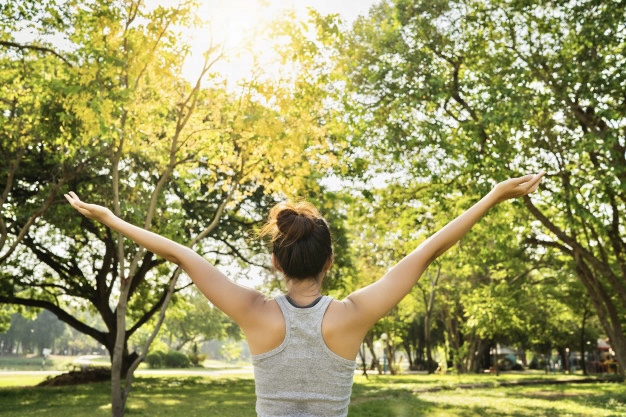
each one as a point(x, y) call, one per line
point(303, 376)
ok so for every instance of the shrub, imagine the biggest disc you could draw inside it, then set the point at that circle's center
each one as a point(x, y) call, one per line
point(156, 359)
point(175, 359)
point(197, 358)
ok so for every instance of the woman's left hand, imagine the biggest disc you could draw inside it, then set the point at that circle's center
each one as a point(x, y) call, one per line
point(517, 187)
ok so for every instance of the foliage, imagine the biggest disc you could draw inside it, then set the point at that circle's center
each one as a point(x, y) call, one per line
point(195, 356)
point(155, 359)
point(170, 359)
point(461, 94)
point(5, 318)
point(468, 91)
point(192, 320)
point(174, 359)
point(231, 351)
point(31, 335)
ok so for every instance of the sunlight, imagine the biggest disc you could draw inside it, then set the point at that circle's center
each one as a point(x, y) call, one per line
point(236, 25)
point(240, 26)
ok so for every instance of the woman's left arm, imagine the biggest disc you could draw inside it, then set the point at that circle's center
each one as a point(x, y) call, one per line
point(370, 303)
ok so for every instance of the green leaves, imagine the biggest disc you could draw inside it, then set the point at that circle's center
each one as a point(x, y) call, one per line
point(114, 121)
point(458, 95)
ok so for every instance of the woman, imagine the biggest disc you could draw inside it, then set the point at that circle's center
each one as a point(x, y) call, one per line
point(304, 345)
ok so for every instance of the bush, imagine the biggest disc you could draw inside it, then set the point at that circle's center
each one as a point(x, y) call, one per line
point(156, 359)
point(175, 359)
point(197, 358)
point(159, 359)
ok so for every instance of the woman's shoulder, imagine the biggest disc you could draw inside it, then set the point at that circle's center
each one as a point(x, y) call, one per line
point(266, 328)
point(341, 329)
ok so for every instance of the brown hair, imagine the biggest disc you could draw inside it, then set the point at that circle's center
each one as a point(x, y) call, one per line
point(300, 237)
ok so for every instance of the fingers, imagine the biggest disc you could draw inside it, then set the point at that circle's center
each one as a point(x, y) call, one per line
point(533, 183)
point(537, 178)
point(71, 198)
point(530, 178)
point(74, 201)
point(524, 179)
point(517, 187)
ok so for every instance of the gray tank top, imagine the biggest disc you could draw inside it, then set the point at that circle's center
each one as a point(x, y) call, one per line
point(302, 377)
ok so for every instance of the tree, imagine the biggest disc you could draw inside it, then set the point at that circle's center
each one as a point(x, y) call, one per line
point(191, 320)
point(468, 92)
point(197, 164)
point(32, 133)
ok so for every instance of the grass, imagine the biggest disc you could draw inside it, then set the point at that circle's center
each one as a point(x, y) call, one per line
point(439, 396)
point(378, 396)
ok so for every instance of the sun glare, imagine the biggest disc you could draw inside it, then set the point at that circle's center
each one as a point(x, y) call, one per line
point(240, 27)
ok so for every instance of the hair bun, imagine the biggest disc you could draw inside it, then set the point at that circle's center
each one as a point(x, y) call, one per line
point(301, 242)
point(294, 225)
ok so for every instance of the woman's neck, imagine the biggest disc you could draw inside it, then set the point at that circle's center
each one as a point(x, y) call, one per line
point(303, 292)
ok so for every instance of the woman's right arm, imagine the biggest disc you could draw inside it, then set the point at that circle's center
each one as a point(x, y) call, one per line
point(237, 301)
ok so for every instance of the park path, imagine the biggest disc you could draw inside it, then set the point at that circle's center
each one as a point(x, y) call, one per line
point(246, 370)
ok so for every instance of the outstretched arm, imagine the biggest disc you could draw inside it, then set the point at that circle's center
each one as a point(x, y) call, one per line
point(369, 304)
point(234, 300)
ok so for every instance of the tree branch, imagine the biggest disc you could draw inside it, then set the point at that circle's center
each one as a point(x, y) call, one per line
point(36, 48)
point(60, 313)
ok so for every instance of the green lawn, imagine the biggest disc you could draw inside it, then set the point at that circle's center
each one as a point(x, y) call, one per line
point(378, 396)
point(439, 396)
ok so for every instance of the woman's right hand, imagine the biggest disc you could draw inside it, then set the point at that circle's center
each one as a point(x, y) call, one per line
point(91, 211)
point(517, 187)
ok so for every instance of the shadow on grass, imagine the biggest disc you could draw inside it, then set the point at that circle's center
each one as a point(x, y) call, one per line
point(381, 400)
point(193, 396)
point(81, 400)
point(399, 398)
point(150, 397)
point(190, 396)
point(602, 398)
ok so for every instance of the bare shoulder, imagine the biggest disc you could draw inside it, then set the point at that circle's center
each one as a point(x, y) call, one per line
point(264, 326)
point(342, 330)
point(342, 309)
point(263, 311)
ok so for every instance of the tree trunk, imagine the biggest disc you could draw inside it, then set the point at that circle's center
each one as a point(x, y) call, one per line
point(462, 363)
point(118, 402)
point(583, 342)
point(605, 288)
point(427, 319)
point(363, 361)
point(391, 355)
point(474, 352)
point(606, 310)
point(409, 353)
point(369, 341)
point(495, 360)
point(429, 355)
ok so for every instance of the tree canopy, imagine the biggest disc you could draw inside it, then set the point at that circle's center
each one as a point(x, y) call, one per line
point(465, 93)
point(392, 126)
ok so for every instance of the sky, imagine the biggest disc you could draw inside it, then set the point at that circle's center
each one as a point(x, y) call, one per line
point(232, 22)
